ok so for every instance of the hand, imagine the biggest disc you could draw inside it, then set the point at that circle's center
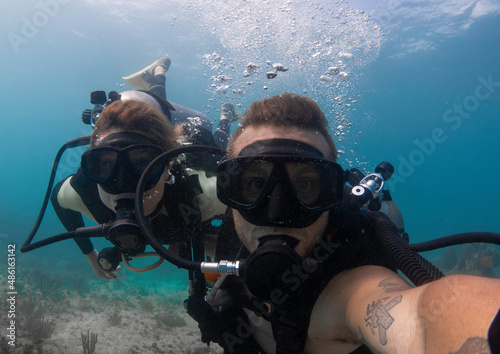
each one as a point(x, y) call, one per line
point(101, 273)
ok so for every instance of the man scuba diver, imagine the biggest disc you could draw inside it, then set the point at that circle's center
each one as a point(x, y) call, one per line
point(316, 280)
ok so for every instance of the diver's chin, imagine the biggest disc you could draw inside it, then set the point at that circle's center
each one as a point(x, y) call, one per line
point(111, 200)
point(307, 236)
point(151, 199)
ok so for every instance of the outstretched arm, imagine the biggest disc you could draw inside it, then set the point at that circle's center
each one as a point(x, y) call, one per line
point(70, 219)
point(449, 315)
point(63, 193)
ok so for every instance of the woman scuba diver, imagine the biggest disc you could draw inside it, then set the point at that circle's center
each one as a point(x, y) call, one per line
point(142, 126)
point(127, 137)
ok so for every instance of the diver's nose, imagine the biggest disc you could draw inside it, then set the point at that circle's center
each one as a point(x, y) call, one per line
point(123, 181)
point(279, 208)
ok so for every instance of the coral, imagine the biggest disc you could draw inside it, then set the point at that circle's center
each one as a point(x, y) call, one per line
point(49, 285)
point(51, 289)
point(89, 341)
point(31, 308)
point(115, 319)
point(39, 329)
point(33, 315)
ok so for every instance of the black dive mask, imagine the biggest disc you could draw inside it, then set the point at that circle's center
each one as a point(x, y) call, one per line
point(119, 160)
point(280, 182)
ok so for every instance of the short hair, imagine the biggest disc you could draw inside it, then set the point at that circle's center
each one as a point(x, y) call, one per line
point(287, 110)
point(138, 117)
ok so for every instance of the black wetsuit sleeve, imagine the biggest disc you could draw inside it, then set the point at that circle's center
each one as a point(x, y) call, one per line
point(221, 135)
point(70, 219)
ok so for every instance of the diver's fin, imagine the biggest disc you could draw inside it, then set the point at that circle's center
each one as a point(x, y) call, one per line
point(143, 79)
point(229, 112)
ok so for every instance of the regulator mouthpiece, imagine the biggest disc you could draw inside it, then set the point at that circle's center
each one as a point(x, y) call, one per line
point(124, 232)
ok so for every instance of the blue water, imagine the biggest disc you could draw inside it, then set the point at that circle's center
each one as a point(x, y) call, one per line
point(411, 63)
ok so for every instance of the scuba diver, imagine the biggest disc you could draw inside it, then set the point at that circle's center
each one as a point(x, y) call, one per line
point(304, 267)
point(103, 187)
point(128, 135)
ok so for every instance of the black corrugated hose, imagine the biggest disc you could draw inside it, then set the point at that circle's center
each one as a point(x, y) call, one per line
point(419, 270)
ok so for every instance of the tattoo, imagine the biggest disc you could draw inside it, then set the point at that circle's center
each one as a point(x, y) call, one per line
point(378, 317)
point(474, 345)
point(390, 286)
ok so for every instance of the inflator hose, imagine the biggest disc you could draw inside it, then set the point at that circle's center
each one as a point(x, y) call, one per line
point(143, 222)
point(419, 270)
point(82, 140)
point(458, 239)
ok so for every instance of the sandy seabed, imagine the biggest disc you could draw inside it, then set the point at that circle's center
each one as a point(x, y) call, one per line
point(125, 323)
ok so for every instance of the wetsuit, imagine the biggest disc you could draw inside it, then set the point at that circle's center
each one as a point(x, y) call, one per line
point(354, 246)
point(200, 126)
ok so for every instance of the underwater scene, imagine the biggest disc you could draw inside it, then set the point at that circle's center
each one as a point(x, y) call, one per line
point(414, 83)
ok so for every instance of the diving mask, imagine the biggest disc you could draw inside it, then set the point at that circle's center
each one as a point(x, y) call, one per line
point(119, 160)
point(280, 182)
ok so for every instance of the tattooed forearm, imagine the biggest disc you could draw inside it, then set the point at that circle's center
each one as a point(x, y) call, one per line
point(389, 285)
point(378, 317)
point(474, 345)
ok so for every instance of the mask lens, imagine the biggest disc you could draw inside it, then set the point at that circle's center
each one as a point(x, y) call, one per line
point(99, 164)
point(140, 157)
point(242, 182)
point(252, 181)
point(315, 184)
point(306, 181)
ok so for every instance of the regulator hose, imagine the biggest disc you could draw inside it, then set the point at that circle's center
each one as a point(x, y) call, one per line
point(83, 140)
point(458, 239)
point(419, 270)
